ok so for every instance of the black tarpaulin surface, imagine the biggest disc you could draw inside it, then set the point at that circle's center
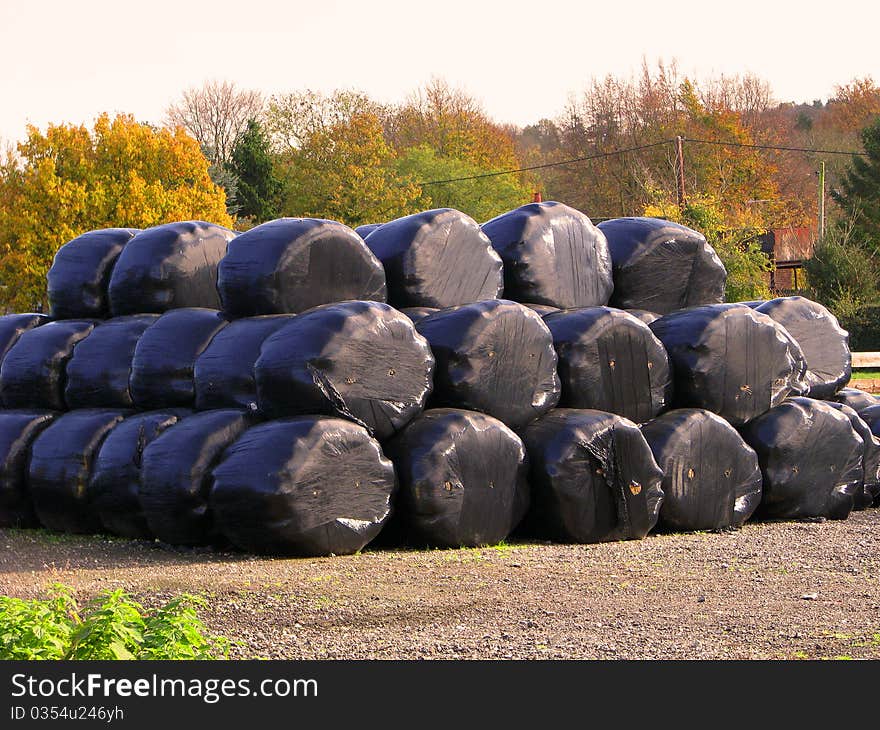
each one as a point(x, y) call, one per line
point(366, 229)
point(871, 417)
point(61, 464)
point(12, 326)
point(593, 477)
point(176, 475)
point(417, 313)
point(823, 341)
point(730, 359)
point(552, 254)
point(114, 487)
point(80, 273)
point(169, 266)
point(542, 309)
point(358, 360)
point(224, 372)
point(32, 374)
point(811, 460)
point(870, 492)
point(711, 477)
point(643, 314)
point(98, 372)
point(662, 266)
point(437, 258)
point(18, 429)
point(165, 355)
point(856, 399)
point(610, 361)
point(290, 265)
point(494, 356)
point(312, 485)
point(462, 479)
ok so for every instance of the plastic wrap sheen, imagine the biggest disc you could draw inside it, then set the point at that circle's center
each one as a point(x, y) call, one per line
point(856, 399)
point(711, 477)
point(610, 361)
point(593, 477)
point(366, 229)
point(870, 492)
point(541, 309)
point(417, 313)
point(312, 485)
point(463, 479)
point(552, 254)
point(290, 265)
point(643, 314)
point(12, 326)
point(358, 360)
point(18, 429)
point(494, 356)
point(437, 258)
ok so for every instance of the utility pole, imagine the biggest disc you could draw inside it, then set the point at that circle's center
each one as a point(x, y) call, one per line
point(680, 170)
point(821, 201)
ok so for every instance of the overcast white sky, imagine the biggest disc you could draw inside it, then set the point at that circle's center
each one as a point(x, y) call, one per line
point(70, 60)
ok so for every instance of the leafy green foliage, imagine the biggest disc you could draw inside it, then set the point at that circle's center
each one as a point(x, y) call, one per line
point(112, 626)
point(859, 194)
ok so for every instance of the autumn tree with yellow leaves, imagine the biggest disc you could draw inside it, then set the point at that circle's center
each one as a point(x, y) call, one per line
point(69, 179)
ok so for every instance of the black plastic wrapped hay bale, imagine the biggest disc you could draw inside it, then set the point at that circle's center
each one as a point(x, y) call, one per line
point(224, 372)
point(32, 374)
point(494, 356)
point(61, 464)
point(856, 399)
point(13, 326)
point(643, 314)
point(662, 266)
point(463, 479)
point(312, 486)
point(730, 359)
point(541, 309)
point(165, 356)
point(437, 258)
point(99, 370)
point(176, 475)
point(711, 477)
point(366, 229)
point(167, 267)
point(871, 417)
point(358, 360)
point(114, 487)
point(610, 361)
point(290, 265)
point(418, 313)
point(18, 429)
point(593, 477)
point(823, 341)
point(811, 460)
point(80, 273)
point(553, 255)
point(870, 492)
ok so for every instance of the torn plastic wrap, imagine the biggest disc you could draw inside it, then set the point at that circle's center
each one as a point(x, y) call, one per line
point(462, 479)
point(176, 475)
point(80, 273)
point(290, 265)
point(811, 460)
point(311, 486)
point(224, 372)
point(165, 356)
point(730, 359)
point(61, 464)
point(114, 487)
point(662, 266)
point(494, 356)
point(167, 267)
point(553, 255)
point(358, 360)
point(593, 477)
point(823, 341)
point(13, 326)
point(711, 477)
point(366, 229)
point(437, 258)
point(856, 399)
point(610, 361)
point(542, 309)
point(33, 372)
point(418, 313)
point(98, 372)
point(18, 429)
point(870, 492)
point(643, 314)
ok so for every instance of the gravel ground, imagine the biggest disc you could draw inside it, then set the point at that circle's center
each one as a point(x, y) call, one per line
point(769, 591)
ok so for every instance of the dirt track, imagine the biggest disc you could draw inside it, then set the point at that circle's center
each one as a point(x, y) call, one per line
point(783, 590)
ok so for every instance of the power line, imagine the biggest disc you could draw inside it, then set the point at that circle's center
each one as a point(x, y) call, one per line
point(774, 147)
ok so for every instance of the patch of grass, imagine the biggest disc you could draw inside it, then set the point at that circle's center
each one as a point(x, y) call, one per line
point(865, 373)
point(112, 626)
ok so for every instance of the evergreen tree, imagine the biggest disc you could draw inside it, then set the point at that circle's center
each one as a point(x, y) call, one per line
point(859, 194)
point(257, 187)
